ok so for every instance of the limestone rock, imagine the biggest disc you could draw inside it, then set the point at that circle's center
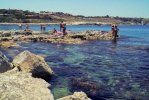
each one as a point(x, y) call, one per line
point(70, 38)
point(15, 85)
point(8, 44)
point(96, 35)
point(5, 34)
point(4, 63)
point(76, 96)
point(29, 62)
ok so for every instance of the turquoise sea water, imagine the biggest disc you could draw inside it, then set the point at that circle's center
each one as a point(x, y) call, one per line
point(120, 68)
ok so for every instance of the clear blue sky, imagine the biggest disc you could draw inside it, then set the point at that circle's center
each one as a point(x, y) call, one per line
point(123, 8)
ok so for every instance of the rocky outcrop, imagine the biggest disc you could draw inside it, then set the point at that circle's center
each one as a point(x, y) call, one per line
point(4, 63)
point(70, 38)
point(5, 33)
point(29, 62)
point(65, 40)
point(94, 35)
point(15, 85)
point(8, 44)
point(76, 96)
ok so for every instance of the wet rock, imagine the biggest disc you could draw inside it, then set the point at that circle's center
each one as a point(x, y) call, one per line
point(92, 35)
point(73, 41)
point(27, 33)
point(76, 96)
point(71, 38)
point(5, 65)
point(93, 90)
point(65, 40)
point(82, 37)
point(8, 44)
point(6, 39)
point(15, 85)
point(29, 62)
point(5, 34)
point(22, 32)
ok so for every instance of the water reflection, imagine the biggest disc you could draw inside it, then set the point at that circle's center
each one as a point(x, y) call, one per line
point(114, 45)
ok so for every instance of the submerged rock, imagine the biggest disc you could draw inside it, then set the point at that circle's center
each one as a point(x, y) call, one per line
point(76, 96)
point(93, 90)
point(29, 62)
point(4, 63)
point(15, 85)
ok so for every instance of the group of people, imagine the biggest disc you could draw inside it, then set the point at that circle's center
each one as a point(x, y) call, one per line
point(62, 29)
point(114, 30)
point(26, 29)
point(42, 27)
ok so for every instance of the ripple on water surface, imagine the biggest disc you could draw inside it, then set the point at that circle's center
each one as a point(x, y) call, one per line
point(120, 69)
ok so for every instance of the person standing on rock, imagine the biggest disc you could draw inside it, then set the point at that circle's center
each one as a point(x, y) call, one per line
point(64, 29)
point(61, 26)
point(41, 27)
point(44, 28)
point(27, 27)
point(20, 26)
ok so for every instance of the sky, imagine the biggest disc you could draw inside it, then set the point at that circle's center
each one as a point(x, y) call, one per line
point(122, 8)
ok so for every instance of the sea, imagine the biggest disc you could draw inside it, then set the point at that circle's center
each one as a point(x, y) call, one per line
point(103, 69)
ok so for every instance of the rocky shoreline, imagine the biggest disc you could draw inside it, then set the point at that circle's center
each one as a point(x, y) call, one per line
point(9, 38)
point(22, 79)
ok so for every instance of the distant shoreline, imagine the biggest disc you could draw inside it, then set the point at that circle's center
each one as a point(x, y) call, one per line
point(28, 23)
point(68, 23)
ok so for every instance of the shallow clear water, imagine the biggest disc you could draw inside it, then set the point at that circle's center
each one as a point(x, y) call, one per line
point(121, 66)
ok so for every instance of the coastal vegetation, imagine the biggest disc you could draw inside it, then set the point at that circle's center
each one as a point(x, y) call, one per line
point(20, 16)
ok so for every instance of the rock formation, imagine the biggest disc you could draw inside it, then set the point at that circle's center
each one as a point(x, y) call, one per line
point(8, 44)
point(76, 96)
point(4, 63)
point(28, 62)
point(94, 35)
point(70, 38)
point(15, 85)
point(92, 89)
point(20, 85)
